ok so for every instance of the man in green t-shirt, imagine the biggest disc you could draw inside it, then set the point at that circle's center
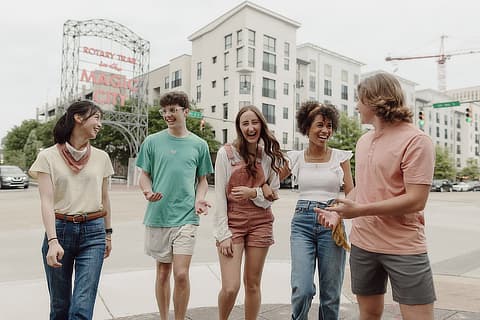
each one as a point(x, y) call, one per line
point(174, 164)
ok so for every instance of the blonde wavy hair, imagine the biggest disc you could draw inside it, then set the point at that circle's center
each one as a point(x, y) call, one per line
point(383, 93)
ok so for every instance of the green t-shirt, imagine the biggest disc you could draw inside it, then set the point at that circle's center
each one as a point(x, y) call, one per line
point(173, 165)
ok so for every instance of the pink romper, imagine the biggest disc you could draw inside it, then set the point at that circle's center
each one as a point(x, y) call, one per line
point(248, 223)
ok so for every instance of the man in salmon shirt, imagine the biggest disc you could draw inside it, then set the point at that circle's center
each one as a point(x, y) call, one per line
point(394, 171)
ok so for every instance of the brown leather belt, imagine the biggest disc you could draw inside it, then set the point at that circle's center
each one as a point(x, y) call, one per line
point(79, 218)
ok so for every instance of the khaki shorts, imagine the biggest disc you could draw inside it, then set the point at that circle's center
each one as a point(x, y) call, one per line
point(162, 243)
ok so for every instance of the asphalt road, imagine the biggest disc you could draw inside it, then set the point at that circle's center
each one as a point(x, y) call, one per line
point(452, 220)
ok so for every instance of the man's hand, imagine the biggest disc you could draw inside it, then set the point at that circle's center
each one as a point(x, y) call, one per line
point(152, 196)
point(268, 193)
point(243, 193)
point(54, 254)
point(328, 219)
point(201, 207)
point(346, 209)
point(225, 247)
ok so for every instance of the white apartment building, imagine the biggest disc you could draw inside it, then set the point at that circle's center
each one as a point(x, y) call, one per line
point(448, 127)
point(174, 76)
point(465, 94)
point(327, 77)
point(246, 56)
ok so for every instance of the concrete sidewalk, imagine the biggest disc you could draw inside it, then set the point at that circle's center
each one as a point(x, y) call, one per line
point(130, 296)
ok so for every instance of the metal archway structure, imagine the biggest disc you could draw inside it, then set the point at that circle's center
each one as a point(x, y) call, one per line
point(133, 124)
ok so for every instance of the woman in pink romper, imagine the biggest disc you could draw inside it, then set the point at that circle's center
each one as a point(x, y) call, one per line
point(246, 183)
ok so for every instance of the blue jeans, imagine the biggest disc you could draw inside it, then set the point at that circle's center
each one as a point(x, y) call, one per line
point(312, 244)
point(84, 246)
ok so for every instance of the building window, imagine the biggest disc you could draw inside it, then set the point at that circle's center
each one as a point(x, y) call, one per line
point(327, 90)
point(245, 84)
point(269, 43)
point(285, 88)
point(239, 57)
point(437, 118)
point(214, 59)
point(239, 37)
point(285, 137)
point(167, 83)
point(458, 123)
point(438, 132)
point(225, 86)
point(446, 134)
point(214, 83)
point(312, 83)
point(199, 71)
point(286, 64)
point(251, 57)
point(355, 94)
point(345, 108)
point(225, 111)
point(355, 79)
point(285, 113)
point(268, 111)
point(344, 92)
point(228, 41)
point(328, 70)
point(269, 62)
point(213, 108)
point(286, 51)
point(199, 93)
point(445, 119)
point(225, 61)
point(344, 76)
point(224, 136)
point(268, 88)
point(251, 37)
point(243, 103)
point(458, 150)
point(459, 138)
point(176, 79)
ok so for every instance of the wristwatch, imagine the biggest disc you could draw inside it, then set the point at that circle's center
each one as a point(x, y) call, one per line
point(109, 231)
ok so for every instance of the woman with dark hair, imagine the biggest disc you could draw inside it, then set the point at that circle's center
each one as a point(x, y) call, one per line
point(319, 172)
point(243, 219)
point(73, 184)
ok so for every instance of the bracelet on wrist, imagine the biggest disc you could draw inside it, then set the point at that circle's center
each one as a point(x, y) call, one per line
point(108, 230)
point(54, 238)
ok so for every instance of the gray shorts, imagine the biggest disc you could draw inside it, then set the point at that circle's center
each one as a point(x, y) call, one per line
point(162, 243)
point(410, 276)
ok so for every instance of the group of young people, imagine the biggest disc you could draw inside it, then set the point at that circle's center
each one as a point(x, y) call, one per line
point(394, 170)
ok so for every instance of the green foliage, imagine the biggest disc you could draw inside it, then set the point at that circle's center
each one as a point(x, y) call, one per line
point(31, 148)
point(14, 158)
point(16, 138)
point(113, 142)
point(471, 171)
point(347, 135)
point(444, 166)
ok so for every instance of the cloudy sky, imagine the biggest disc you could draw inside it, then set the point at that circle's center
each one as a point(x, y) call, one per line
point(367, 30)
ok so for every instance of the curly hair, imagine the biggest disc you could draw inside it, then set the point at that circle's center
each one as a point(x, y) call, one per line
point(383, 93)
point(175, 98)
point(310, 110)
point(271, 145)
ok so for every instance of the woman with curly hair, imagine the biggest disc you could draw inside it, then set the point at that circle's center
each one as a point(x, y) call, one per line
point(319, 171)
point(394, 171)
point(244, 171)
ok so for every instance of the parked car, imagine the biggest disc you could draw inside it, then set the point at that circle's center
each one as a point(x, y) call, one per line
point(441, 185)
point(473, 185)
point(13, 176)
point(461, 186)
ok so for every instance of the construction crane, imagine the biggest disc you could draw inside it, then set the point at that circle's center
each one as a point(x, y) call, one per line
point(442, 58)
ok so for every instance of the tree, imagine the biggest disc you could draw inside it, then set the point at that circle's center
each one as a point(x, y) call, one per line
point(444, 167)
point(31, 148)
point(15, 157)
point(17, 137)
point(471, 171)
point(347, 135)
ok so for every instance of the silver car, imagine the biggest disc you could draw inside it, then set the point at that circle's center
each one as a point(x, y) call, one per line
point(13, 177)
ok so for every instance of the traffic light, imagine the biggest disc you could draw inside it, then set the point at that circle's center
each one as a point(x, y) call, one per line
point(421, 120)
point(202, 125)
point(468, 116)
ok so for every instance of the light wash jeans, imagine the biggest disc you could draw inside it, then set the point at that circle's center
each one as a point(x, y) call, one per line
point(312, 244)
point(84, 246)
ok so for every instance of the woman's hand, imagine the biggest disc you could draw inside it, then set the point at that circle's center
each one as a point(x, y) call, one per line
point(243, 193)
point(328, 219)
point(225, 247)
point(268, 193)
point(108, 247)
point(54, 254)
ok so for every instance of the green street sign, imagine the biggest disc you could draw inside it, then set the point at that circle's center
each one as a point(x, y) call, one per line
point(446, 104)
point(195, 114)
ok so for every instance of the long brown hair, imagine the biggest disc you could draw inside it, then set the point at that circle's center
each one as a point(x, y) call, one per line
point(271, 145)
